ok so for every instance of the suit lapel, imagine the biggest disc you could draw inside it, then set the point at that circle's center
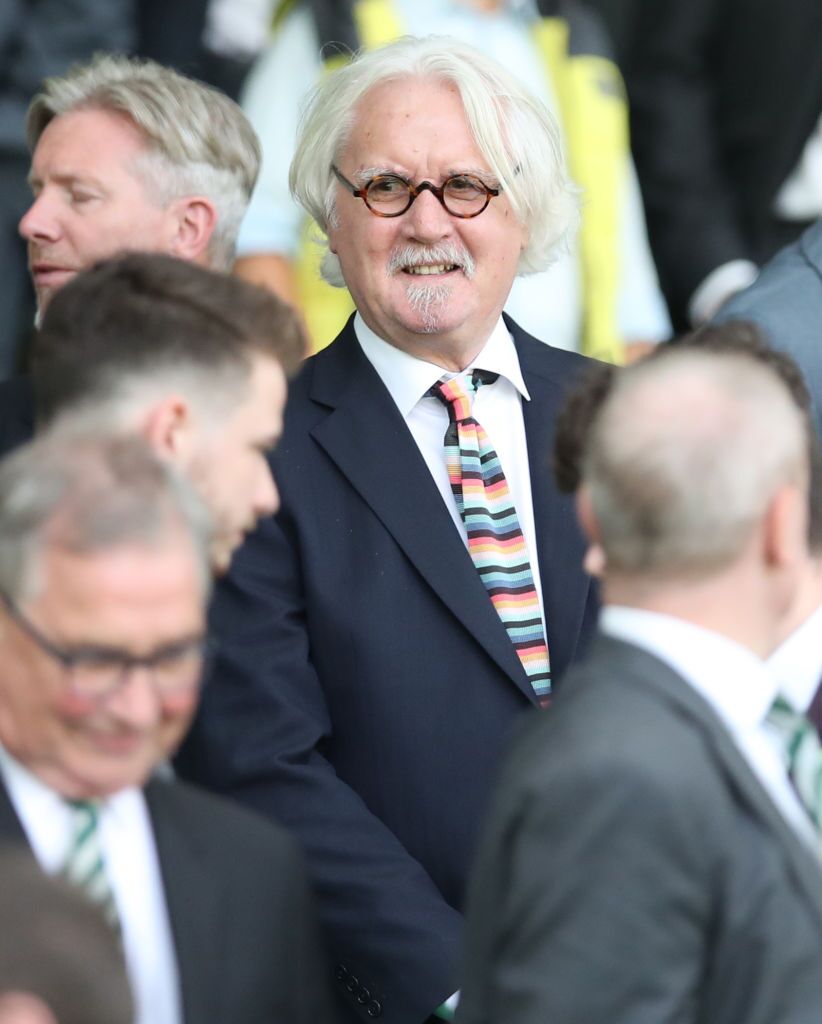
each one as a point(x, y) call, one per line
point(565, 587)
point(11, 830)
point(193, 902)
point(811, 245)
point(804, 865)
point(367, 438)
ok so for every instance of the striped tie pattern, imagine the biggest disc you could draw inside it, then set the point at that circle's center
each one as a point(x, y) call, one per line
point(495, 541)
point(84, 865)
point(802, 754)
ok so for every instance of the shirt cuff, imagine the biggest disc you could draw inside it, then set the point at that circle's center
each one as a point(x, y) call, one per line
point(718, 287)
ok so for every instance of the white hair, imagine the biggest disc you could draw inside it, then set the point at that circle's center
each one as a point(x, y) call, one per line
point(198, 140)
point(684, 457)
point(513, 130)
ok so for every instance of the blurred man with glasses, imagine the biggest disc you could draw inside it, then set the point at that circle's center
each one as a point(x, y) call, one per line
point(421, 587)
point(104, 576)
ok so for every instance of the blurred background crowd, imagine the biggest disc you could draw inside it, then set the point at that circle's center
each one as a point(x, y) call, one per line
point(712, 169)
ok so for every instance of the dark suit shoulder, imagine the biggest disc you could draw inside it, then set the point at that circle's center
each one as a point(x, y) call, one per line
point(16, 413)
point(223, 822)
point(626, 720)
point(545, 360)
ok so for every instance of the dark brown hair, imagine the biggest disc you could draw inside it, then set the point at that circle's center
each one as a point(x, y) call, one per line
point(137, 315)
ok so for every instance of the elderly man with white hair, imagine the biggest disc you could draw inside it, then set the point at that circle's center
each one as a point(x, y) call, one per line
point(421, 588)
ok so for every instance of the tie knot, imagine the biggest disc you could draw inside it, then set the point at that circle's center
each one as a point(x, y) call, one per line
point(458, 396)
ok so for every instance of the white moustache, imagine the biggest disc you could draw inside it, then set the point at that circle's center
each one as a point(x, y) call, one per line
point(448, 255)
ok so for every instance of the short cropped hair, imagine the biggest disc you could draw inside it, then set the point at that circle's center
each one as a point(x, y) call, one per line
point(198, 140)
point(513, 130)
point(147, 324)
point(740, 336)
point(683, 458)
point(89, 494)
point(56, 945)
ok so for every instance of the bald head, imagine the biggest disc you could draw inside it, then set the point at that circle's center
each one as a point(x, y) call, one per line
point(685, 456)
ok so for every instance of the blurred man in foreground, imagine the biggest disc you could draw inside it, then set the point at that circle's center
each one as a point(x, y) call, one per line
point(678, 829)
point(193, 360)
point(104, 577)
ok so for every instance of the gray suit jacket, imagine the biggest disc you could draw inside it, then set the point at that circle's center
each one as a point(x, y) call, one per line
point(786, 301)
point(634, 871)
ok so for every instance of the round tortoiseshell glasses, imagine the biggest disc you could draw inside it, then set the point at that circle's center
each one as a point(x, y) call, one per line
point(389, 195)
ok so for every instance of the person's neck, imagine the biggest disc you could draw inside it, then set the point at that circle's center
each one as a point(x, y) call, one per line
point(718, 605)
point(452, 351)
point(808, 598)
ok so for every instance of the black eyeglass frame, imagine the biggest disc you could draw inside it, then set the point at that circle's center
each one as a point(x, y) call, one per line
point(69, 659)
point(415, 190)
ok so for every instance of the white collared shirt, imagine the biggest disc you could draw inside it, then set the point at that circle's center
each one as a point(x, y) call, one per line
point(133, 872)
point(734, 682)
point(797, 663)
point(497, 407)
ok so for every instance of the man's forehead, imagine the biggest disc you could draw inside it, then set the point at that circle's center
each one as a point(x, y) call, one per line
point(87, 134)
point(398, 122)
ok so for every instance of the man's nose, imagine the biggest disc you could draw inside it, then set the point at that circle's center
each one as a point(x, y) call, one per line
point(427, 219)
point(40, 222)
point(136, 703)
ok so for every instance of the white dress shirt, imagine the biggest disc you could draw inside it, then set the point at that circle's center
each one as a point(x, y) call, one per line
point(797, 663)
point(133, 872)
point(735, 683)
point(498, 407)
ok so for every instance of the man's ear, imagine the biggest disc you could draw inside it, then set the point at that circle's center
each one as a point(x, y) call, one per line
point(585, 514)
point(167, 426)
point(195, 218)
point(594, 560)
point(785, 528)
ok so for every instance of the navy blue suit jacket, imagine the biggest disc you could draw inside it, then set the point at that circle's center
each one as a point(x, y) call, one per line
point(366, 685)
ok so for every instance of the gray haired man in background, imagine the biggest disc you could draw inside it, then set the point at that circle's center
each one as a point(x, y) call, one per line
point(129, 155)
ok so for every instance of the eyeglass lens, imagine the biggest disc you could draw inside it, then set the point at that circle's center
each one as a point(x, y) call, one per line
point(462, 195)
point(173, 671)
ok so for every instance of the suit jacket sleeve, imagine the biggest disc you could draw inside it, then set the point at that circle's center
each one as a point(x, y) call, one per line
point(689, 202)
point(261, 736)
point(580, 875)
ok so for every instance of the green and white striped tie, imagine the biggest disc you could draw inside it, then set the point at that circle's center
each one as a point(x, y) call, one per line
point(84, 865)
point(802, 753)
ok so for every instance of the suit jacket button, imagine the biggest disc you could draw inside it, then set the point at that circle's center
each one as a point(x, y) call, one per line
point(374, 1008)
point(363, 996)
point(353, 984)
point(341, 972)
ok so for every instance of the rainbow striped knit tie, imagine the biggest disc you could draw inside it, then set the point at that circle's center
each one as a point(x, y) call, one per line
point(495, 541)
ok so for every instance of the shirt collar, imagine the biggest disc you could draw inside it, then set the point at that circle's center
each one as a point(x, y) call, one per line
point(797, 663)
point(408, 378)
point(732, 679)
point(30, 787)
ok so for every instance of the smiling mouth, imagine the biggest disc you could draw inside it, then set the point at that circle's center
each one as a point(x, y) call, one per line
point(438, 268)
